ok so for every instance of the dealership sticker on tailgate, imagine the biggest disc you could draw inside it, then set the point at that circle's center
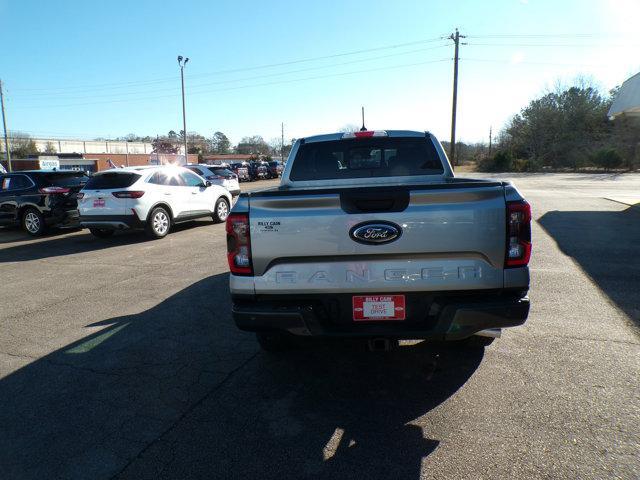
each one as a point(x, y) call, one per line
point(378, 307)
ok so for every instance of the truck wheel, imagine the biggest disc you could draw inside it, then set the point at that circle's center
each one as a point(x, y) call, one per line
point(220, 211)
point(158, 224)
point(33, 222)
point(101, 232)
point(274, 341)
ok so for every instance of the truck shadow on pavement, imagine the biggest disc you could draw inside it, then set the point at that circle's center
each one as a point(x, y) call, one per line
point(606, 244)
point(178, 392)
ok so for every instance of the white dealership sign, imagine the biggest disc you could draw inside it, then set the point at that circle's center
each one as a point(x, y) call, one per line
point(48, 163)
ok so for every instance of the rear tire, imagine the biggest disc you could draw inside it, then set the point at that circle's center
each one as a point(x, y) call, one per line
point(221, 210)
point(158, 224)
point(101, 232)
point(274, 341)
point(33, 222)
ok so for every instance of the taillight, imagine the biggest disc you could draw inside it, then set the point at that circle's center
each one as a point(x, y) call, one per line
point(518, 234)
point(50, 190)
point(128, 194)
point(239, 244)
point(79, 195)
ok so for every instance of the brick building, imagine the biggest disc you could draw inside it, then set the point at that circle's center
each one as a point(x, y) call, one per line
point(95, 162)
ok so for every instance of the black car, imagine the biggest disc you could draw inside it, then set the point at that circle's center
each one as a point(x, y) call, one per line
point(252, 170)
point(37, 199)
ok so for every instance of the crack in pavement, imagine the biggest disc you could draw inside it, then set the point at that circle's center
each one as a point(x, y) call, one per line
point(17, 355)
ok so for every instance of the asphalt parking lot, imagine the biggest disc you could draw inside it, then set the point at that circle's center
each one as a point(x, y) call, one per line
point(119, 359)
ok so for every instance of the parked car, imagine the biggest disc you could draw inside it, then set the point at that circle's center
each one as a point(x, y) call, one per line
point(241, 171)
point(262, 170)
point(218, 176)
point(275, 168)
point(149, 198)
point(370, 235)
point(252, 170)
point(37, 199)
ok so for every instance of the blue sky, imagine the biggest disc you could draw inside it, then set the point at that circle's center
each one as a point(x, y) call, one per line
point(87, 69)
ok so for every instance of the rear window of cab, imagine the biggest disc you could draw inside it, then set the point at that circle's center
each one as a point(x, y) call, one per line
point(111, 180)
point(365, 158)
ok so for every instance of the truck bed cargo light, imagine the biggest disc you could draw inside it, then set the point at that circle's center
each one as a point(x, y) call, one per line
point(365, 134)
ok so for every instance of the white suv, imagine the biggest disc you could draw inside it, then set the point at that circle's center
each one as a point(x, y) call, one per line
point(149, 198)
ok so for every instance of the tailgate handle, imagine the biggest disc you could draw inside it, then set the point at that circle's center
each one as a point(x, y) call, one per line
point(374, 201)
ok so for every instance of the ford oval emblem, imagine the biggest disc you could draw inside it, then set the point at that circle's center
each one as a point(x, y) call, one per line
point(375, 232)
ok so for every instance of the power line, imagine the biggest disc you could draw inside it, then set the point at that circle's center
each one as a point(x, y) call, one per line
point(547, 45)
point(392, 67)
point(546, 35)
point(515, 64)
point(241, 69)
point(115, 86)
point(235, 80)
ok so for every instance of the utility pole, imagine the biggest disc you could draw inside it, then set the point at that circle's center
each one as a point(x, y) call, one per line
point(452, 148)
point(490, 138)
point(282, 143)
point(184, 111)
point(4, 125)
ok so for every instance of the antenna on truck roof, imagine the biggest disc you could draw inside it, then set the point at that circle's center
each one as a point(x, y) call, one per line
point(363, 129)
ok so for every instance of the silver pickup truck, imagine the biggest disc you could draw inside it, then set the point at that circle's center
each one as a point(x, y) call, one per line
point(370, 235)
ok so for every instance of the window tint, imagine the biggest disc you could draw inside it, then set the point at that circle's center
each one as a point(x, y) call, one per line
point(363, 158)
point(67, 179)
point(190, 180)
point(15, 182)
point(110, 180)
point(223, 172)
point(163, 178)
point(194, 170)
point(158, 178)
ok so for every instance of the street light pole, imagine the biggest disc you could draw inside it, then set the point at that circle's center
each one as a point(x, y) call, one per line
point(184, 111)
point(6, 137)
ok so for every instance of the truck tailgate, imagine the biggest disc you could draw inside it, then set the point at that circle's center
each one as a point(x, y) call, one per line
point(452, 238)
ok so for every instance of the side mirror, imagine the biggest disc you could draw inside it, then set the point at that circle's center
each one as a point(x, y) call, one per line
point(207, 184)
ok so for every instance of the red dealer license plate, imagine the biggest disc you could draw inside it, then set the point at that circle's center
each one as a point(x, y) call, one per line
point(378, 307)
point(98, 203)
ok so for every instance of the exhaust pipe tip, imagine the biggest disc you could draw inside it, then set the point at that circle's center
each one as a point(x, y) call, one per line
point(490, 333)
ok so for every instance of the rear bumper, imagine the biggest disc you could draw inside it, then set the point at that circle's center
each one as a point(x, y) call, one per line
point(111, 222)
point(60, 217)
point(444, 316)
